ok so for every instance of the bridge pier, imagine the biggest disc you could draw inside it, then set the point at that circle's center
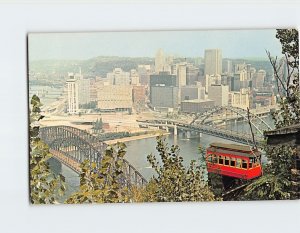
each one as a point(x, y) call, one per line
point(175, 130)
point(188, 134)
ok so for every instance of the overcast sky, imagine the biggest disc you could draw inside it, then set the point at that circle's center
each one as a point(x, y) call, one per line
point(234, 44)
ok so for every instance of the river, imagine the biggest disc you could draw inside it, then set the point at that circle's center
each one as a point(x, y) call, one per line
point(138, 150)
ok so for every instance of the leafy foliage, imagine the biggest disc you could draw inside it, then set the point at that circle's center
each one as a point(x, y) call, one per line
point(276, 182)
point(268, 187)
point(45, 187)
point(174, 182)
point(287, 84)
point(105, 184)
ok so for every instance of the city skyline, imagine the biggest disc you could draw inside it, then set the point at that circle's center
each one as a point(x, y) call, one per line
point(81, 46)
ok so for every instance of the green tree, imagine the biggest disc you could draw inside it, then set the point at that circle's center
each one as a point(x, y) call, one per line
point(287, 83)
point(276, 181)
point(45, 187)
point(106, 183)
point(98, 125)
point(174, 182)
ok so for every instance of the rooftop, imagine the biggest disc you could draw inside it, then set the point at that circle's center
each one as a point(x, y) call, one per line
point(232, 146)
point(284, 130)
point(196, 101)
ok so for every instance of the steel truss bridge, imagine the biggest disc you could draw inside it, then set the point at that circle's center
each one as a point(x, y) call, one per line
point(215, 123)
point(71, 146)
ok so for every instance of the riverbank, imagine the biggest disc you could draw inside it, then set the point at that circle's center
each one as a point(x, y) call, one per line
point(134, 138)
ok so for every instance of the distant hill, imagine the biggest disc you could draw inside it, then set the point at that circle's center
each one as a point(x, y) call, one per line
point(99, 66)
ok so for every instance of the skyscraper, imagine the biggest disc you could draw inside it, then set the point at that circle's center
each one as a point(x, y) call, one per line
point(159, 61)
point(84, 92)
point(192, 75)
point(259, 79)
point(72, 85)
point(213, 61)
point(118, 77)
point(181, 74)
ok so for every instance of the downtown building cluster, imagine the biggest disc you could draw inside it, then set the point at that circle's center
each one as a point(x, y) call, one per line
point(174, 84)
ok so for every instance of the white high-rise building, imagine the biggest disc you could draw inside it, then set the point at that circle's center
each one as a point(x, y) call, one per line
point(160, 61)
point(73, 103)
point(219, 93)
point(213, 61)
point(228, 67)
point(181, 74)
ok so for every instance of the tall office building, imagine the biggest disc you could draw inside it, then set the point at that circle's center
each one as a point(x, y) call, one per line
point(240, 99)
point(219, 93)
point(134, 77)
point(240, 67)
point(227, 67)
point(181, 74)
point(139, 97)
point(72, 85)
point(163, 78)
point(240, 80)
point(118, 77)
point(84, 92)
point(192, 75)
point(160, 61)
point(212, 80)
point(144, 74)
point(259, 79)
point(213, 61)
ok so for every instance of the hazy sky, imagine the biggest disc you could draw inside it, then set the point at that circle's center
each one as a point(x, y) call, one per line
point(234, 44)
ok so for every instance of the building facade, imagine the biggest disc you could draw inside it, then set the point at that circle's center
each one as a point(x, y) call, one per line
point(163, 78)
point(84, 91)
point(73, 99)
point(196, 106)
point(139, 97)
point(213, 61)
point(164, 96)
point(115, 98)
point(118, 77)
point(219, 94)
point(192, 93)
point(239, 99)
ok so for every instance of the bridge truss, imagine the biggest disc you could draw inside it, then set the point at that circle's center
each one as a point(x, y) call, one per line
point(72, 146)
point(227, 113)
point(222, 122)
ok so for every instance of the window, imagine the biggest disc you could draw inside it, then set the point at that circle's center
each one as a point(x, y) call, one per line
point(244, 164)
point(221, 159)
point(232, 162)
point(238, 163)
point(209, 158)
point(251, 162)
point(214, 159)
point(227, 161)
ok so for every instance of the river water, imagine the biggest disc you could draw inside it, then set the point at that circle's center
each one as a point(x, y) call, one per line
point(138, 150)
